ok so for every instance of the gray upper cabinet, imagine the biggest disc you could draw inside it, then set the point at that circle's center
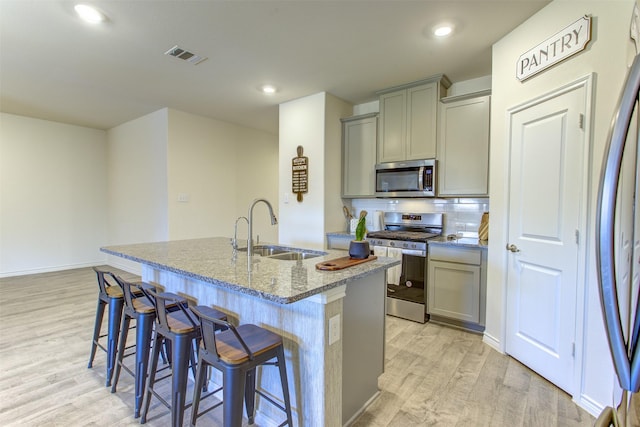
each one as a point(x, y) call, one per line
point(463, 145)
point(409, 118)
point(359, 134)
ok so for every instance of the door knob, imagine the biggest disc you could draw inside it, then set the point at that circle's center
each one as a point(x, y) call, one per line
point(512, 248)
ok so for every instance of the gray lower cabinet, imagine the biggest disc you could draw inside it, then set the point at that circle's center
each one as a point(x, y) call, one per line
point(456, 285)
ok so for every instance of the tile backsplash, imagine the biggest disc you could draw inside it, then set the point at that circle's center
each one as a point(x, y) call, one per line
point(461, 215)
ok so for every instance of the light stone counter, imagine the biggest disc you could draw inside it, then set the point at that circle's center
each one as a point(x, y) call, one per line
point(471, 242)
point(211, 260)
point(332, 323)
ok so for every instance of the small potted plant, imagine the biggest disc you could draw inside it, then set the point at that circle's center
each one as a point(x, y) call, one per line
point(359, 248)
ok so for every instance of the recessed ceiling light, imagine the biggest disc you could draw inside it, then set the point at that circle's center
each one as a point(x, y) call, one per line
point(442, 30)
point(269, 89)
point(89, 13)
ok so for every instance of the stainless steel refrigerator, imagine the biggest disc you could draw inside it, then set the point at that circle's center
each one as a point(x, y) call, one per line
point(618, 252)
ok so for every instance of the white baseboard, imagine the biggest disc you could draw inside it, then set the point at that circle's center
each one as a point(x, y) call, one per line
point(129, 266)
point(589, 405)
point(492, 341)
point(50, 269)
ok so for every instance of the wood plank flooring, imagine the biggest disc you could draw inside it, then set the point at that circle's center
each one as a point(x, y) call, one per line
point(435, 376)
point(439, 376)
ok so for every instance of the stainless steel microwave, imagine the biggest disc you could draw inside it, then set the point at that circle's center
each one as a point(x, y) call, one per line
point(415, 178)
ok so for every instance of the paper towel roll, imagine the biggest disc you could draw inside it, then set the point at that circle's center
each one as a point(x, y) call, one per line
point(393, 273)
point(377, 221)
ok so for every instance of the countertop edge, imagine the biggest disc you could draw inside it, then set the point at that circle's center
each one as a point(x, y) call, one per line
point(248, 291)
point(443, 241)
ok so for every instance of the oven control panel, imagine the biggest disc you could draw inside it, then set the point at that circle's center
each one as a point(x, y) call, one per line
point(401, 244)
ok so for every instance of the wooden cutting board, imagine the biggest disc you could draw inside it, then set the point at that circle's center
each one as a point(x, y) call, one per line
point(340, 263)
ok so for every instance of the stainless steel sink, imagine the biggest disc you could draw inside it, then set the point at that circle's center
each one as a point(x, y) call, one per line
point(294, 256)
point(284, 253)
point(267, 250)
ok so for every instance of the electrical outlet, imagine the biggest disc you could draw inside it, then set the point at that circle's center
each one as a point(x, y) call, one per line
point(334, 329)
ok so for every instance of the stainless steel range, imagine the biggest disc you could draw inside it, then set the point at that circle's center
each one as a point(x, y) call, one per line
point(405, 236)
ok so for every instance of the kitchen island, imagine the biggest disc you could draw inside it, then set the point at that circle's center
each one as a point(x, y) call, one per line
point(332, 322)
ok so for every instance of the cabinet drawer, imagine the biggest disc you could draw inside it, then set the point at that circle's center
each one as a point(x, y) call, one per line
point(449, 253)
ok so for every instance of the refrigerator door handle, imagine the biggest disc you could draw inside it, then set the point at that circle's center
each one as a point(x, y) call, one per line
point(626, 361)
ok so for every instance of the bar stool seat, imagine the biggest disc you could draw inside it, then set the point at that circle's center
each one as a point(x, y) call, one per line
point(181, 328)
point(237, 352)
point(109, 293)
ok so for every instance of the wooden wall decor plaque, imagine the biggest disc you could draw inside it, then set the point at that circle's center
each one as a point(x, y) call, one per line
point(300, 174)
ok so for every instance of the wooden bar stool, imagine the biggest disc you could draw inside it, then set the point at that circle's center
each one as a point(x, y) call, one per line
point(143, 311)
point(236, 352)
point(109, 293)
point(181, 328)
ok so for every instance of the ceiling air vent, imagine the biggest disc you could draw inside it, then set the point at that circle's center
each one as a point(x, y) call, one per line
point(185, 55)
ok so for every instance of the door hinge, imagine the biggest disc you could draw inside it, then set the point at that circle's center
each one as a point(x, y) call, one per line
point(577, 237)
point(573, 349)
point(581, 121)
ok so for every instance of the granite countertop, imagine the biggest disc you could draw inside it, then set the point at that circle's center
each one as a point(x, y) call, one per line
point(211, 260)
point(472, 242)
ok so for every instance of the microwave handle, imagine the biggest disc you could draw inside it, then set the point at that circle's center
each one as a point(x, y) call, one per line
point(421, 178)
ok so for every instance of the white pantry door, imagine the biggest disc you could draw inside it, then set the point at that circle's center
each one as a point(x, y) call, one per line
point(545, 197)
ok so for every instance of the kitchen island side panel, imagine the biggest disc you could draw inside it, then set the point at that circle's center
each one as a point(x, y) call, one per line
point(362, 343)
point(314, 368)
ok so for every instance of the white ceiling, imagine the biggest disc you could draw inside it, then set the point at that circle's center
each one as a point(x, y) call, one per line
point(54, 66)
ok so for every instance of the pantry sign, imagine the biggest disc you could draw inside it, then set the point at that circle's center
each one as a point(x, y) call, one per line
point(563, 44)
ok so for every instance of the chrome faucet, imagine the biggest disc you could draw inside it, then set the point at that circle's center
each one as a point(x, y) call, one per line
point(234, 241)
point(274, 221)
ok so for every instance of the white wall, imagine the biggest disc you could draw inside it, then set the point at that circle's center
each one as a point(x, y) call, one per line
point(137, 175)
point(138, 180)
point(53, 195)
point(335, 109)
point(302, 123)
point(257, 176)
point(305, 122)
point(66, 190)
point(221, 167)
point(607, 56)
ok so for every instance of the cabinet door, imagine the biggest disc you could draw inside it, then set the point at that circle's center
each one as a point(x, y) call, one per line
point(359, 157)
point(392, 127)
point(463, 149)
point(422, 107)
point(454, 291)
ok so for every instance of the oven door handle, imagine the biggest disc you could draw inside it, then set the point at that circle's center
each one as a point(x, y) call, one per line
point(414, 252)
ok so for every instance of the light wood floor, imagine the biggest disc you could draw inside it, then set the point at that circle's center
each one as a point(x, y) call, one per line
point(435, 376)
